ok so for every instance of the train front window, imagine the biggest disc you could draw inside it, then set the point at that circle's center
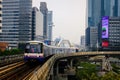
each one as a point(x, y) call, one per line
point(33, 48)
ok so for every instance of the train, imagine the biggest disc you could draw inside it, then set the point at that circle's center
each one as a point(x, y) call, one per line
point(37, 50)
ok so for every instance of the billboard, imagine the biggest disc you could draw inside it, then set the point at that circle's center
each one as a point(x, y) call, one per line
point(105, 43)
point(105, 24)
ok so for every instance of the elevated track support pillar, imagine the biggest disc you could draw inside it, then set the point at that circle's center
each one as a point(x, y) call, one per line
point(106, 64)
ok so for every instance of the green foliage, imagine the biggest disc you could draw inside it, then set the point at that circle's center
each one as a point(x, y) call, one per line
point(6, 52)
point(109, 76)
point(86, 71)
point(116, 68)
point(14, 51)
point(94, 77)
point(11, 52)
point(0, 51)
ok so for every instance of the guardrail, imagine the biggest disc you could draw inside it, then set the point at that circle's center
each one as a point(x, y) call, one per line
point(10, 58)
point(43, 72)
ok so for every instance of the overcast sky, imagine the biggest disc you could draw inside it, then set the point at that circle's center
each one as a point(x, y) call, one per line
point(68, 18)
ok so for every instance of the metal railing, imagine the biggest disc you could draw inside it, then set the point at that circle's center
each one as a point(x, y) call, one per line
point(10, 58)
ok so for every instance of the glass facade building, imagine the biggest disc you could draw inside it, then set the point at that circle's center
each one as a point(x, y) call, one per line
point(0, 16)
point(114, 33)
point(50, 25)
point(17, 16)
point(44, 10)
point(37, 24)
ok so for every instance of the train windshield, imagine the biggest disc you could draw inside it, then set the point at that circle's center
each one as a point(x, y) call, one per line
point(33, 48)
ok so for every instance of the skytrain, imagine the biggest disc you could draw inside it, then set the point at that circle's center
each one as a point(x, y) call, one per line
point(37, 50)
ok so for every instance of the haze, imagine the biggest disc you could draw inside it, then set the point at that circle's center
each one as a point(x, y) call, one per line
point(68, 18)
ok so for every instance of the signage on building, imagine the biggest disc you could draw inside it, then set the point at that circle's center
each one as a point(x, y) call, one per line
point(105, 24)
point(105, 43)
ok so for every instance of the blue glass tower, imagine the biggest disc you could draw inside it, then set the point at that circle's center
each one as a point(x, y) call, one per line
point(44, 10)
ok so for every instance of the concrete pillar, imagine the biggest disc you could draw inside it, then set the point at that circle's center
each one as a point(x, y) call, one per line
point(71, 63)
point(55, 71)
point(51, 74)
point(57, 68)
point(106, 64)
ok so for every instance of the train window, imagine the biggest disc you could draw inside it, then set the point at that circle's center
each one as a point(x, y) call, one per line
point(41, 47)
point(33, 48)
point(27, 48)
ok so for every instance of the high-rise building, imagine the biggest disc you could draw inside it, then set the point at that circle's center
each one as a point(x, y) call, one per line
point(114, 33)
point(0, 16)
point(87, 37)
point(115, 13)
point(82, 40)
point(44, 10)
point(94, 16)
point(118, 8)
point(110, 33)
point(93, 37)
point(37, 24)
point(17, 21)
point(99, 8)
point(50, 24)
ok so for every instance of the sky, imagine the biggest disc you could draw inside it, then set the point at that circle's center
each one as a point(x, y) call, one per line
point(68, 18)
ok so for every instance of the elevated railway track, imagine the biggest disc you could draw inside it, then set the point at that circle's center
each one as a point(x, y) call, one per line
point(43, 73)
point(18, 71)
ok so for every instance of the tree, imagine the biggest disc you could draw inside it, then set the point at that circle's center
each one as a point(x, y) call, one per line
point(109, 76)
point(85, 70)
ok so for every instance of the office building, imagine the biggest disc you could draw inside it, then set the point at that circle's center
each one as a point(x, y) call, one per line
point(110, 33)
point(87, 37)
point(44, 10)
point(82, 40)
point(93, 37)
point(37, 24)
point(82, 43)
point(94, 17)
point(115, 8)
point(50, 25)
point(16, 22)
point(118, 8)
point(0, 16)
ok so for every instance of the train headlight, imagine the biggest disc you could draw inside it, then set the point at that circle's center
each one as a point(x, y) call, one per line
point(26, 55)
point(37, 55)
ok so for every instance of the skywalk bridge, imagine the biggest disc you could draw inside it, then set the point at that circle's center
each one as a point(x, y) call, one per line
point(44, 72)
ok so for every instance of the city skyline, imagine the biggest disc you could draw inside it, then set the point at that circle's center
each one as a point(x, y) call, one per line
point(68, 18)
